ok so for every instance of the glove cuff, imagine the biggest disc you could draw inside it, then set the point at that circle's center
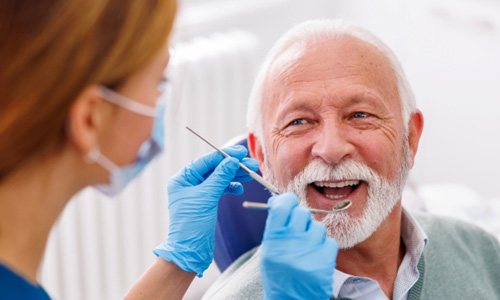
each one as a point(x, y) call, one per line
point(186, 259)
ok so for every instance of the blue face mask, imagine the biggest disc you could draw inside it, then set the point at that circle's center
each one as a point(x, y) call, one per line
point(121, 176)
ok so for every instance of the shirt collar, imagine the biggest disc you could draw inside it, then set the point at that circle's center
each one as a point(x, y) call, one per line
point(414, 238)
point(339, 278)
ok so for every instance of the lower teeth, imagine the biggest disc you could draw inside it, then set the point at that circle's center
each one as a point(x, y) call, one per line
point(335, 196)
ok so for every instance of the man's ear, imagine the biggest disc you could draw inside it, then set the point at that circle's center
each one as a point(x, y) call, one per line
point(255, 149)
point(415, 127)
point(85, 119)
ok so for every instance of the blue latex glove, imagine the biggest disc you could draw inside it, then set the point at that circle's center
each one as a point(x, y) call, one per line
point(297, 258)
point(193, 197)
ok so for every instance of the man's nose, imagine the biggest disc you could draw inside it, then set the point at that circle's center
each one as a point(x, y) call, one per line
point(332, 144)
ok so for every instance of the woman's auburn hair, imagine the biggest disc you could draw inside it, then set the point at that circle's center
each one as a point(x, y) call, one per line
point(53, 49)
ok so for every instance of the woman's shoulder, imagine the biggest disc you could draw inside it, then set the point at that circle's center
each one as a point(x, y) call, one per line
point(14, 286)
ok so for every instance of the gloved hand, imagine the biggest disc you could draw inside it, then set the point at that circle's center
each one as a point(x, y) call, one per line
point(193, 197)
point(297, 258)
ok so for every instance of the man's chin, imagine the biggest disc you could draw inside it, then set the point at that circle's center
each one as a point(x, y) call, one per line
point(349, 231)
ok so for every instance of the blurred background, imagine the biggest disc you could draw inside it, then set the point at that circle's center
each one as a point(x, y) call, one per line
point(450, 51)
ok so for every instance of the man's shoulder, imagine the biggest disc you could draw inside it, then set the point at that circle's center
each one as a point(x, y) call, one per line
point(459, 252)
point(240, 281)
point(447, 234)
point(445, 228)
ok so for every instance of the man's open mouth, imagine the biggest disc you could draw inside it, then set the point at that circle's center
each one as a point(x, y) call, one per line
point(336, 190)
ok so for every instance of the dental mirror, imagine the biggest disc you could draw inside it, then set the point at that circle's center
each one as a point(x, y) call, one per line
point(338, 207)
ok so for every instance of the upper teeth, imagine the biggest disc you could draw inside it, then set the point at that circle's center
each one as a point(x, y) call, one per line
point(337, 184)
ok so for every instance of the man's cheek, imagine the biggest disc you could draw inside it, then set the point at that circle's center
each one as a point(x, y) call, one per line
point(286, 174)
point(288, 167)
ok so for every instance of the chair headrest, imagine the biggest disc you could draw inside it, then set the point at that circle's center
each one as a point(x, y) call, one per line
point(239, 229)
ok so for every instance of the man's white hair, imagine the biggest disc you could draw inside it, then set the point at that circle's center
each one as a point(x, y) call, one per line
point(318, 30)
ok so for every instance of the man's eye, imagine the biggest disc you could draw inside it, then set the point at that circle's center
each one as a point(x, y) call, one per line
point(360, 115)
point(298, 122)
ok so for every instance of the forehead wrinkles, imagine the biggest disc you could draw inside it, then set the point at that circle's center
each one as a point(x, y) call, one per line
point(361, 58)
point(344, 58)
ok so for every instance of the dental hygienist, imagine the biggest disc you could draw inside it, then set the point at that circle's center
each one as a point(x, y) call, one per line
point(79, 83)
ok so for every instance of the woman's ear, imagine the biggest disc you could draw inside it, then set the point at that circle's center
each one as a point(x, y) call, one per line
point(85, 119)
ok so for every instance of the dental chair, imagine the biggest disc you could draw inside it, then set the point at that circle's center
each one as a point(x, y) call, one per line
point(239, 229)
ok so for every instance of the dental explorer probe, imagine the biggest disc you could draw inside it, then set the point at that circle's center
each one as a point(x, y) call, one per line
point(339, 206)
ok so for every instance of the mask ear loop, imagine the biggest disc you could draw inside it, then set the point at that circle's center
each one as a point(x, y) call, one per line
point(95, 156)
point(127, 103)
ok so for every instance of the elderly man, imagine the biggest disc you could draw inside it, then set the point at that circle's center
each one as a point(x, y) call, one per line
point(331, 118)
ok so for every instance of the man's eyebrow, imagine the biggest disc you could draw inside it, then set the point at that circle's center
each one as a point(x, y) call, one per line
point(304, 105)
point(365, 97)
point(295, 107)
point(301, 103)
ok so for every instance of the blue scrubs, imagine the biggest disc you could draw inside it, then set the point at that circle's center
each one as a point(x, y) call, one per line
point(13, 286)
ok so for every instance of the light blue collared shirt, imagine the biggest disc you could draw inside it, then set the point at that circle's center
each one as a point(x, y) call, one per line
point(362, 288)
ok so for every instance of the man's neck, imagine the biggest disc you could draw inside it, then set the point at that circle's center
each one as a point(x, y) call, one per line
point(379, 256)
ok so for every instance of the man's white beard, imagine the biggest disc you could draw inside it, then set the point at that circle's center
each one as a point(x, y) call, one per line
point(383, 195)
